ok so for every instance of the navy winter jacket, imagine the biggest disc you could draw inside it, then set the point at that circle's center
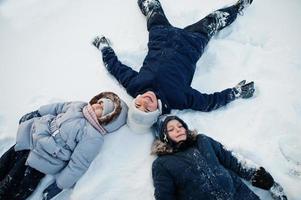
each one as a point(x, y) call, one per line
point(168, 70)
point(204, 171)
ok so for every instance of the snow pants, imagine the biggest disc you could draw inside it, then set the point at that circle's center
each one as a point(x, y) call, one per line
point(17, 181)
point(207, 26)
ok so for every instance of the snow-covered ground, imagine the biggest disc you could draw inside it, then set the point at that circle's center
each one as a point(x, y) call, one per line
point(46, 56)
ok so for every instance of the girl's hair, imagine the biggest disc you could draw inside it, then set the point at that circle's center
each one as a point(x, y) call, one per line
point(163, 148)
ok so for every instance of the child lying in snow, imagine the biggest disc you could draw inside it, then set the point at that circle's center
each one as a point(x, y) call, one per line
point(164, 81)
point(61, 139)
point(191, 166)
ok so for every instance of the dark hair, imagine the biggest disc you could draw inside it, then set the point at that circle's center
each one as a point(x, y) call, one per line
point(161, 129)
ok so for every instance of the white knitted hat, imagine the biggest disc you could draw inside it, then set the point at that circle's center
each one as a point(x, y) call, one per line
point(141, 122)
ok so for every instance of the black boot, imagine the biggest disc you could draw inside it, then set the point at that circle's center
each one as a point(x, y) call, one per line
point(149, 6)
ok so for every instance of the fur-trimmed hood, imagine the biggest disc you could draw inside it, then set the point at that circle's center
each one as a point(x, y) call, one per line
point(206, 170)
point(117, 118)
point(117, 106)
point(161, 148)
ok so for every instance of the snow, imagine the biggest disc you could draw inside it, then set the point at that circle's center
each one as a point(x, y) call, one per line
point(46, 56)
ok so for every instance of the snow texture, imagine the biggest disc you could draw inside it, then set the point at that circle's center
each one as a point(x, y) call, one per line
point(46, 56)
point(221, 21)
point(245, 163)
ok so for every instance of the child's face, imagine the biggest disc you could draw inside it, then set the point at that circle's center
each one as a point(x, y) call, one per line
point(147, 102)
point(176, 131)
point(98, 109)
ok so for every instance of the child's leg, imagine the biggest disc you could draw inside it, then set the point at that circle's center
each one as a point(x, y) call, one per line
point(6, 162)
point(215, 21)
point(14, 176)
point(28, 184)
point(157, 18)
point(154, 13)
point(9, 159)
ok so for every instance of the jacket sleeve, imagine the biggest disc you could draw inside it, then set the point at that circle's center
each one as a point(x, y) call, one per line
point(163, 182)
point(232, 161)
point(121, 72)
point(54, 109)
point(208, 102)
point(81, 158)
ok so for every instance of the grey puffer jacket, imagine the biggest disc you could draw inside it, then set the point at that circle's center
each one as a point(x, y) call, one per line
point(62, 141)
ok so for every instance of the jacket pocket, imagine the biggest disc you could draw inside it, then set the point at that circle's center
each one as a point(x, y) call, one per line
point(49, 145)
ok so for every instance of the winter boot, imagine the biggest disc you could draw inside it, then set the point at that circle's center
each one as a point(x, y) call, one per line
point(242, 4)
point(147, 7)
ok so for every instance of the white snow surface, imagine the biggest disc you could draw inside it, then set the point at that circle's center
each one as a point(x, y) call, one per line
point(46, 56)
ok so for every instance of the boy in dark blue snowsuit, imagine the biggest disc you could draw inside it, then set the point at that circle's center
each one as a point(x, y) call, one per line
point(163, 82)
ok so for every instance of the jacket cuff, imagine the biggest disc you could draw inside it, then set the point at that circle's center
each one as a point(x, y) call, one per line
point(231, 95)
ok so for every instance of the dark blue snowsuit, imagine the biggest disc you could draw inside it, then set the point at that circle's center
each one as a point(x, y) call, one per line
point(204, 171)
point(170, 64)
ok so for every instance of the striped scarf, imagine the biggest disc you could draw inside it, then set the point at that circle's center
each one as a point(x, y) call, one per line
point(91, 117)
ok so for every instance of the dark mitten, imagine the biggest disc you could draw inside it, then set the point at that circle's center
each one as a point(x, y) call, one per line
point(29, 116)
point(51, 191)
point(262, 179)
point(277, 192)
point(101, 42)
point(244, 90)
point(242, 4)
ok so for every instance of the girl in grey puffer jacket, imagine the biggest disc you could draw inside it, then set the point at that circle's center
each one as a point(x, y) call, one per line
point(61, 139)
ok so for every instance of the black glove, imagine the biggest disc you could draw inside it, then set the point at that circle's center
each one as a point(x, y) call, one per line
point(101, 42)
point(277, 192)
point(29, 116)
point(244, 90)
point(262, 179)
point(51, 191)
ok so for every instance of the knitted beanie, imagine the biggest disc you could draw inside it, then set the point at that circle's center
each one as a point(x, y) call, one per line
point(161, 126)
point(108, 105)
point(111, 121)
point(140, 121)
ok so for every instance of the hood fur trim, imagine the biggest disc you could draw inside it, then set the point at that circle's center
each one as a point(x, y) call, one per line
point(161, 148)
